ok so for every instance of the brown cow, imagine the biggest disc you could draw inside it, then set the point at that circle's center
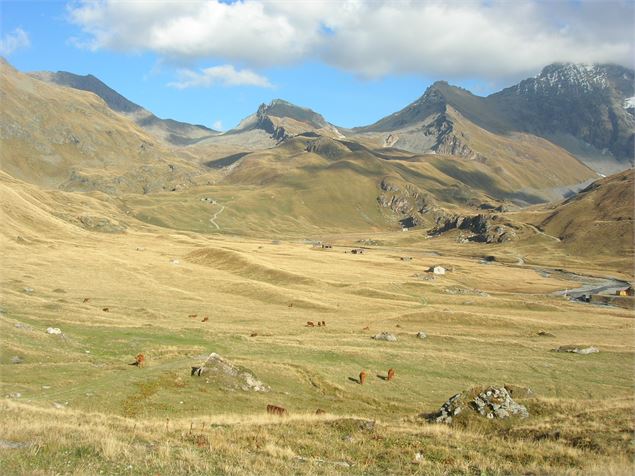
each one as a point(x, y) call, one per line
point(276, 410)
point(193, 315)
point(362, 377)
point(319, 411)
point(319, 323)
point(310, 324)
point(391, 374)
point(367, 328)
point(139, 361)
point(323, 323)
point(205, 319)
point(86, 300)
point(106, 309)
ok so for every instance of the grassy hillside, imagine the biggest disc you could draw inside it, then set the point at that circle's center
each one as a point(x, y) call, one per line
point(598, 220)
point(59, 137)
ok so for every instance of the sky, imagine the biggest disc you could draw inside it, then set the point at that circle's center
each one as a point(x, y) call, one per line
point(214, 62)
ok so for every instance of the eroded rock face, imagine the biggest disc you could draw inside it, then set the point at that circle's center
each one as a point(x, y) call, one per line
point(407, 201)
point(482, 228)
point(493, 402)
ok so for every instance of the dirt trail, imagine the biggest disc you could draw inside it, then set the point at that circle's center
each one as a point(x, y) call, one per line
point(213, 219)
point(537, 230)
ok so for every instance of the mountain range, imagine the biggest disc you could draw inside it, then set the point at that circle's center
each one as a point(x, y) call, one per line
point(448, 157)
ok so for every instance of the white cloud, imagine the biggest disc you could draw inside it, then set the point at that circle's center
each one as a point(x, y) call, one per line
point(13, 41)
point(224, 75)
point(450, 38)
point(218, 125)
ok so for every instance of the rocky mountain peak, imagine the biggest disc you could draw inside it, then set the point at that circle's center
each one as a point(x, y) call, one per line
point(577, 80)
point(284, 109)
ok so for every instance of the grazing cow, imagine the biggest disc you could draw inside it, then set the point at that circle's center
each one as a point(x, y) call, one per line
point(290, 304)
point(398, 326)
point(319, 323)
point(86, 300)
point(276, 410)
point(106, 309)
point(362, 377)
point(310, 324)
point(139, 361)
point(319, 411)
point(193, 315)
point(391, 374)
point(253, 334)
point(198, 371)
point(323, 323)
point(366, 328)
point(205, 319)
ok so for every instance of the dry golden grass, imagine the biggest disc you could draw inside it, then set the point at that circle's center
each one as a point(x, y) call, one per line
point(83, 409)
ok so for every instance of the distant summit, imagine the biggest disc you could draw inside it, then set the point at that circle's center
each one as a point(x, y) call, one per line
point(284, 109)
point(282, 119)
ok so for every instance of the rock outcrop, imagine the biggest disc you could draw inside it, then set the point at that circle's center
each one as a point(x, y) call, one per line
point(577, 349)
point(480, 228)
point(411, 204)
point(492, 402)
point(229, 375)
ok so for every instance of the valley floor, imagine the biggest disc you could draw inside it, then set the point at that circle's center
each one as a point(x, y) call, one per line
point(74, 405)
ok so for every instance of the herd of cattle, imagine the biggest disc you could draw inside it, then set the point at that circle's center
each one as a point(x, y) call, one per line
point(140, 361)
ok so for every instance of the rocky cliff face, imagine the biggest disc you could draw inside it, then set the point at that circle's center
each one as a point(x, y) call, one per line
point(590, 102)
point(481, 228)
point(413, 206)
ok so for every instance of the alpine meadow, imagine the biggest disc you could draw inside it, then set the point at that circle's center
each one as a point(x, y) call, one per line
point(447, 289)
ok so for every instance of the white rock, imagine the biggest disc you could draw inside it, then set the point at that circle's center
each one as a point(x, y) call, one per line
point(385, 336)
point(53, 330)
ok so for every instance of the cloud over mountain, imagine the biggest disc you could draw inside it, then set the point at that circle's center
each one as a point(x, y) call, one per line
point(224, 75)
point(371, 39)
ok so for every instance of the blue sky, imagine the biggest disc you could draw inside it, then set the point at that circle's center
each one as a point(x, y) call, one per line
point(353, 61)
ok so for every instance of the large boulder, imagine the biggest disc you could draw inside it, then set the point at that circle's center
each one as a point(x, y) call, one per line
point(228, 374)
point(387, 336)
point(577, 349)
point(492, 403)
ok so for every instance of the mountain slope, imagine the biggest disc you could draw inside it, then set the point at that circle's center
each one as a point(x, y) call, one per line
point(169, 130)
point(599, 219)
point(579, 108)
point(570, 103)
point(451, 121)
point(58, 137)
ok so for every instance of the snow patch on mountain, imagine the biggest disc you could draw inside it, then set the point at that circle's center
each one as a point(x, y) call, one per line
point(562, 78)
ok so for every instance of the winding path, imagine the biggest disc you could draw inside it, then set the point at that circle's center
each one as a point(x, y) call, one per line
point(537, 230)
point(213, 219)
